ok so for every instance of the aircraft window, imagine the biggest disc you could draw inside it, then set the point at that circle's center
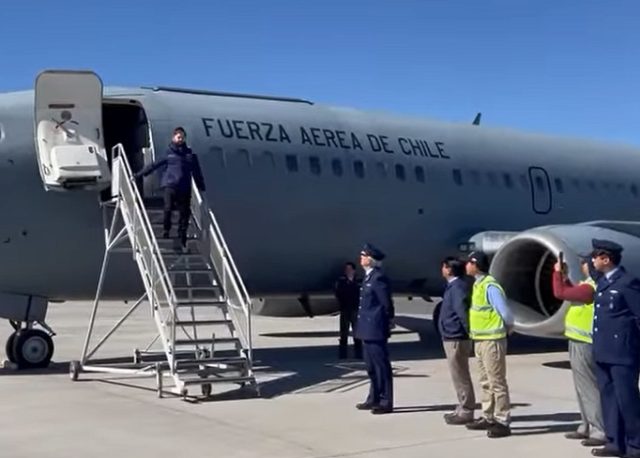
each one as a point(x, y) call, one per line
point(475, 176)
point(576, 183)
point(634, 190)
point(292, 162)
point(358, 169)
point(539, 183)
point(559, 185)
point(620, 187)
point(314, 165)
point(336, 165)
point(591, 185)
point(400, 175)
point(606, 185)
point(381, 167)
point(457, 177)
point(492, 178)
point(420, 174)
point(267, 157)
point(508, 182)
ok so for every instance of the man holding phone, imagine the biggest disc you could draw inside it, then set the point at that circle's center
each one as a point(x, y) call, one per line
point(578, 330)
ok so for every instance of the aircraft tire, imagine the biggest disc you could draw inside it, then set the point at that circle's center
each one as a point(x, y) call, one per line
point(32, 348)
point(8, 348)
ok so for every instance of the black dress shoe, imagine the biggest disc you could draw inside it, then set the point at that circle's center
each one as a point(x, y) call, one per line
point(576, 435)
point(605, 451)
point(480, 424)
point(365, 406)
point(379, 410)
point(591, 442)
point(498, 430)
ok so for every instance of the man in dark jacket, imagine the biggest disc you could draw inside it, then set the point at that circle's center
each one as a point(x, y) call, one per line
point(347, 291)
point(375, 317)
point(453, 324)
point(179, 165)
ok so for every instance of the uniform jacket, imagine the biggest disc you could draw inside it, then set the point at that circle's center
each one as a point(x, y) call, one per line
point(616, 325)
point(178, 166)
point(376, 310)
point(348, 293)
point(453, 320)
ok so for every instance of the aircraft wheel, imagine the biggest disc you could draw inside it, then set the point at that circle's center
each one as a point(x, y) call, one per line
point(8, 349)
point(32, 348)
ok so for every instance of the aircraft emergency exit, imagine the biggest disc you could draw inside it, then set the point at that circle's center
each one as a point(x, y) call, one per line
point(296, 188)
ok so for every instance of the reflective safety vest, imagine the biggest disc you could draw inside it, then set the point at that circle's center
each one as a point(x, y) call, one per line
point(484, 322)
point(578, 322)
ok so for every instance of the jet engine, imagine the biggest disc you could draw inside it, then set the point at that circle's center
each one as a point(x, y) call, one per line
point(524, 264)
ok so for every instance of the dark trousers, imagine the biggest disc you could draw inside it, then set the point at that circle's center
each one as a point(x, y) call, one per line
point(376, 357)
point(620, 398)
point(348, 319)
point(181, 200)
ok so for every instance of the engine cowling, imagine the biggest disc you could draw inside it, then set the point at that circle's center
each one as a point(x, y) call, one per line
point(524, 265)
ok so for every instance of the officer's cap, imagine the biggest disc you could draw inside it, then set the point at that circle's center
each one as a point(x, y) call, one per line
point(480, 259)
point(372, 252)
point(605, 246)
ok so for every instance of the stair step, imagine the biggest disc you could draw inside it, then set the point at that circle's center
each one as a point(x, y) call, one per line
point(203, 303)
point(219, 360)
point(184, 270)
point(174, 255)
point(217, 340)
point(204, 381)
point(203, 322)
point(193, 288)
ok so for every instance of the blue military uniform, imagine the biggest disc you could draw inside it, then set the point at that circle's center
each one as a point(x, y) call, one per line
point(373, 327)
point(616, 351)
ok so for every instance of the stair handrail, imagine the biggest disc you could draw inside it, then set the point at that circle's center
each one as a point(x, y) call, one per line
point(209, 225)
point(160, 268)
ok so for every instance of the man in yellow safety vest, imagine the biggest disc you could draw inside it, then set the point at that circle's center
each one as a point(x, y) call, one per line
point(489, 323)
point(578, 326)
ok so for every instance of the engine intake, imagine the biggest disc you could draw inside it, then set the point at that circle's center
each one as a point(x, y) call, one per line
point(524, 266)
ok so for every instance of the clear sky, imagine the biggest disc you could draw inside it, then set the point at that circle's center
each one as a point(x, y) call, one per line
point(567, 67)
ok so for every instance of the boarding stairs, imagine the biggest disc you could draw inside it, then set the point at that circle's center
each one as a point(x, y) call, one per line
point(197, 299)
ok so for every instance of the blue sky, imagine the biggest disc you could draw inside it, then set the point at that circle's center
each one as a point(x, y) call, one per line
point(563, 67)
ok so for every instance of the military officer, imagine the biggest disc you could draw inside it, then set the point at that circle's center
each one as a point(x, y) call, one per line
point(616, 350)
point(373, 327)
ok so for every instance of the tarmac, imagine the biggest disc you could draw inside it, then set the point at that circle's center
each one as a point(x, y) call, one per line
point(306, 402)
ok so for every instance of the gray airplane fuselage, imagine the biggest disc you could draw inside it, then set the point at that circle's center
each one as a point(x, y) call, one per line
point(298, 188)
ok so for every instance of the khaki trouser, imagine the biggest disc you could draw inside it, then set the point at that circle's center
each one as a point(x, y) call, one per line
point(458, 353)
point(492, 366)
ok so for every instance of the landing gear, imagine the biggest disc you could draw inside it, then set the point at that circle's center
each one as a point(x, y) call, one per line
point(30, 345)
point(32, 348)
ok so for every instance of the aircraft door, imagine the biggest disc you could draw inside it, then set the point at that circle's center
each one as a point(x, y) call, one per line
point(68, 129)
point(541, 199)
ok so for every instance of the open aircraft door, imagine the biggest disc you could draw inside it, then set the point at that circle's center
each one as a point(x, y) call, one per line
point(68, 129)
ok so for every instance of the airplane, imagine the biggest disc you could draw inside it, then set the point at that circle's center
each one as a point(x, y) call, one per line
point(298, 188)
